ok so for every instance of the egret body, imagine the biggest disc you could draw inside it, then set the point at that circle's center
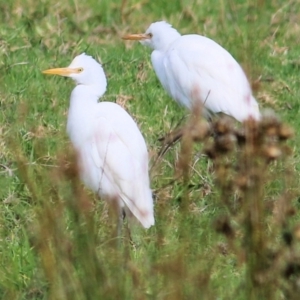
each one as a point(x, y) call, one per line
point(195, 70)
point(112, 154)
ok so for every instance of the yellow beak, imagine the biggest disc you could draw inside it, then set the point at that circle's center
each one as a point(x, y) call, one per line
point(61, 71)
point(136, 37)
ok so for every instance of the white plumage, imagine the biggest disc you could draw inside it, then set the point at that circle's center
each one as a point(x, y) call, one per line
point(195, 70)
point(113, 158)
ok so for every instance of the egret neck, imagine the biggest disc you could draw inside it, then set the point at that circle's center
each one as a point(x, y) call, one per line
point(83, 103)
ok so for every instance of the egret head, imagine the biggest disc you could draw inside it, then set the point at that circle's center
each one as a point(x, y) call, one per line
point(84, 70)
point(158, 36)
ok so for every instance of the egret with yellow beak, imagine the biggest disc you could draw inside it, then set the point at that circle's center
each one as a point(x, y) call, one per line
point(112, 153)
point(195, 70)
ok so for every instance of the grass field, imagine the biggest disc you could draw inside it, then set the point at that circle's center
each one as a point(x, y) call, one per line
point(214, 238)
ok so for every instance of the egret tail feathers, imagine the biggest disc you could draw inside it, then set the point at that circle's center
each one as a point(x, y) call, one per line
point(142, 209)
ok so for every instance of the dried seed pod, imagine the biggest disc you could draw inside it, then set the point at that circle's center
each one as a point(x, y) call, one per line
point(285, 132)
point(272, 152)
point(223, 125)
point(240, 136)
point(210, 150)
point(225, 143)
point(270, 123)
point(271, 130)
point(200, 131)
point(242, 182)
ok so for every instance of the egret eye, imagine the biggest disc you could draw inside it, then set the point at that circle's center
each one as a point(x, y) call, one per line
point(150, 35)
point(80, 70)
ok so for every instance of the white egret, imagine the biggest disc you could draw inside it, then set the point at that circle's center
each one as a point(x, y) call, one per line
point(112, 154)
point(194, 70)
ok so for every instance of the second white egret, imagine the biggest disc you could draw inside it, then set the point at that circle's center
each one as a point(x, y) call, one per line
point(195, 70)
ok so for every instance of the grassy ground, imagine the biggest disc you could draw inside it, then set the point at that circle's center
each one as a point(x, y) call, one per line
point(212, 239)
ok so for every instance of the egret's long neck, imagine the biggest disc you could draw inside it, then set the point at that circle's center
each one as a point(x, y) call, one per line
point(170, 38)
point(86, 95)
point(164, 41)
point(83, 102)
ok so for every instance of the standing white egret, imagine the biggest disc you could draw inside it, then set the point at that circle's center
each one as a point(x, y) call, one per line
point(112, 154)
point(194, 70)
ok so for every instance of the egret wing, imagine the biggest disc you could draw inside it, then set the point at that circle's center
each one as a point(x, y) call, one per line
point(198, 68)
point(123, 154)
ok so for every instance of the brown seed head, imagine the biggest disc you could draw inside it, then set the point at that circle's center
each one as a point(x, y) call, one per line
point(285, 132)
point(270, 123)
point(200, 131)
point(223, 125)
point(242, 182)
point(225, 143)
point(210, 150)
point(240, 136)
point(272, 152)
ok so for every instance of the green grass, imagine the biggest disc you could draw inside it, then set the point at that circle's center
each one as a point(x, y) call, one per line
point(57, 239)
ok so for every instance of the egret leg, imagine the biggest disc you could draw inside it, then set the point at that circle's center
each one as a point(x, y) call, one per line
point(116, 222)
point(169, 140)
point(120, 226)
point(128, 233)
point(130, 227)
